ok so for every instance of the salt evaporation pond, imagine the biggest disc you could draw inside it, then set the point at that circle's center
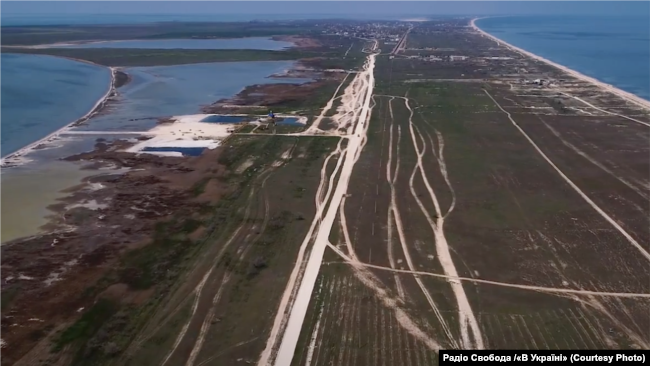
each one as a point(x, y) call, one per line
point(186, 151)
point(224, 119)
point(217, 118)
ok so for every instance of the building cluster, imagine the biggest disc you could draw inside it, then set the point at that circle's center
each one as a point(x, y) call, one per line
point(383, 31)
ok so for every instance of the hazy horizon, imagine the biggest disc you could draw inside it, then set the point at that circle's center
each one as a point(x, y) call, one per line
point(322, 8)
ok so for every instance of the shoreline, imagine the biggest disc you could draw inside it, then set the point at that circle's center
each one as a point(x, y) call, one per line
point(16, 158)
point(627, 96)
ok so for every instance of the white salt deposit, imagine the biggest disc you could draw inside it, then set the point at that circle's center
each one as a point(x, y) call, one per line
point(187, 131)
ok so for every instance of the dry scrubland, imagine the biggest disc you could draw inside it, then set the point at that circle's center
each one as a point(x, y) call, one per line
point(481, 212)
point(535, 197)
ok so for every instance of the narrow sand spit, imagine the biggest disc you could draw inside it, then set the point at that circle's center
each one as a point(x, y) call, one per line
point(605, 87)
point(299, 307)
point(18, 157)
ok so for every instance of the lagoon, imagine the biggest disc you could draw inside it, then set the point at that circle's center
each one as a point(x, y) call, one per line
point(161, 91)
point(41, 94)
point(249, 43)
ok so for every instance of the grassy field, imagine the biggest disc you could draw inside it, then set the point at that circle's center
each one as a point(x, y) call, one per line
point(245, 265)
point(449, 185)
point(219, 279)
point(480, 214)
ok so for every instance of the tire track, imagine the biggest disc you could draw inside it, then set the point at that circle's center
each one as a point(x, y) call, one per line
point(298, 307)
point(573, 185)
point(403, 319)
point(466, 316)
point(391, 178)
point(247, 214)
point(495, 283)
point(595, 162)
point(316, 124)
point(605, 111)
point(242, 250)
point(206, 323)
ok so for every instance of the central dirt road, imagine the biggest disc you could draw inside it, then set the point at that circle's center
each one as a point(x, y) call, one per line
point(296, 308)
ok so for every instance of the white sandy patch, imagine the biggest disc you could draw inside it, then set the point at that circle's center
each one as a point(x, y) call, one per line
point(186, 132)
point(91, 205)
point(95, 187)
point(56, 276)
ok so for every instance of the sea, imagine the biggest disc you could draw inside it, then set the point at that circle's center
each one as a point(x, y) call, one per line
point(612, 49)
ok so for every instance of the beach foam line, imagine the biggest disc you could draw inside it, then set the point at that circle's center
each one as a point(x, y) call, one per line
point(645, 104)
point(18, 157)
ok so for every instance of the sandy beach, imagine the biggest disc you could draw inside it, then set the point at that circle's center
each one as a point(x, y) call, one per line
point(631, 98)
point(18, 157)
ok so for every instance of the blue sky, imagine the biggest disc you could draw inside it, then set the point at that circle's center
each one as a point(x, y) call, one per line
point(327, 7)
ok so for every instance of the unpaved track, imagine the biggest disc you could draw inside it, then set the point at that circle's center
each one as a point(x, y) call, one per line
point(466, 315)
point(605, 111)
point(496, 283)
point(211, 297)
point(362, 88)
point(328, 106)
point(602, 213)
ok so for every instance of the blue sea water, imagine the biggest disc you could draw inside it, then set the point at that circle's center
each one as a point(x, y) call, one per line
point(252, 43)
point(41, 94)
point(615, 50)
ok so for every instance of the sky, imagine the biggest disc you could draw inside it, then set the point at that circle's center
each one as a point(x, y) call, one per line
point(327, 7)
